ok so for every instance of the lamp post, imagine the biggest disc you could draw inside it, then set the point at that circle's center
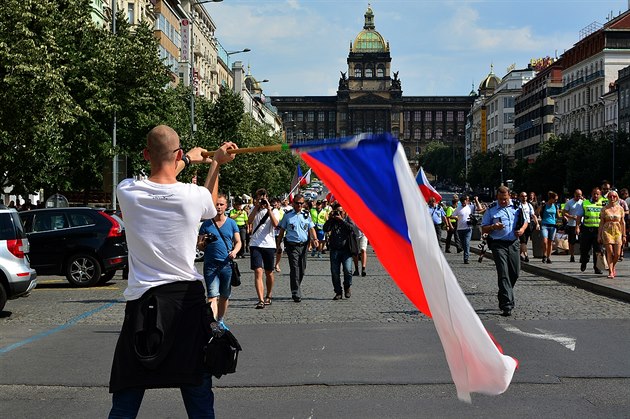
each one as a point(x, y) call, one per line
point(192, 62)
point(235, 52)
point(115, 160)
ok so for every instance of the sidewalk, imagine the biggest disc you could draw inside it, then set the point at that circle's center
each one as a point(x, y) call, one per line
point(564, 271)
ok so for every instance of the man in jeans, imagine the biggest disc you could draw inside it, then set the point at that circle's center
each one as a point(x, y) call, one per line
point(339, 243)
point(295, 228)
point(165, 327)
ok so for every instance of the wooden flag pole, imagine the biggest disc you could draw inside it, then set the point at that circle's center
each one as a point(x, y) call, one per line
point(261, 149)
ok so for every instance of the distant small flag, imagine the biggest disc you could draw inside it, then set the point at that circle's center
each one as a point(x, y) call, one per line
point(330, 197)
point(306, 179)
point(295, 182)
point(427, 190)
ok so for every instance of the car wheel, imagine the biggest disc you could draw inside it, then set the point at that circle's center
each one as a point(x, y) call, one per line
point(199, 255)
point(106, 277)
point(3, 297)
point(83, 270)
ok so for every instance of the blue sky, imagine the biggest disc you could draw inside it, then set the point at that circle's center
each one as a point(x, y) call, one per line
point(439, 47)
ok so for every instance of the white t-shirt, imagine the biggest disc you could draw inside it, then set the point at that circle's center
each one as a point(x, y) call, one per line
point(463, 214)
point(264, 236)
point(161, 226)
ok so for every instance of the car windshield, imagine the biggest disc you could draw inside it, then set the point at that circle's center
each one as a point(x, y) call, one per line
point(10, 226)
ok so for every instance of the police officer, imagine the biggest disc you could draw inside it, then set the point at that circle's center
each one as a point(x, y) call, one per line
point(589, 229)
point(295, 227)
point(504, 223)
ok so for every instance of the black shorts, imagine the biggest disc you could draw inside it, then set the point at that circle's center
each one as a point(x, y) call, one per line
point(573, 238)
point(526, 235)
point(262, 257)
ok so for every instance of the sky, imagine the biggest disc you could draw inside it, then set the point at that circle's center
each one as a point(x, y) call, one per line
point(438, 47)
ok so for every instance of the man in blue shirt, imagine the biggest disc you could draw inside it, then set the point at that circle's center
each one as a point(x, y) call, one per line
point(295, 227)
point(439, 217)
point(504, 223)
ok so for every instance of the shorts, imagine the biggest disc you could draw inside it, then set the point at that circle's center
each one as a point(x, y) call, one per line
point(548, 232)
point(573, 238)
point(363, 241)
point(526, 235)
point(262, 257)
point(320, 235)
point(217, 276)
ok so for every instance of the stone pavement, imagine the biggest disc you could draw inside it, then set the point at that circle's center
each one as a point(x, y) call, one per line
point(569, 272)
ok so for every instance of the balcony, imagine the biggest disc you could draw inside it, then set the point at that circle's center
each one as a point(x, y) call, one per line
point(197, 50)
point(212, 67)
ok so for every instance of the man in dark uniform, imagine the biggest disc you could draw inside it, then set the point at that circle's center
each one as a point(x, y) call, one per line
point(504, 223)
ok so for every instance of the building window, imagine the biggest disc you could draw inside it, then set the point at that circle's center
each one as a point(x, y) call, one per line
point(379, 130)
point(130, 14)
point(380, 71)
point(407, 116)
point(320, 116)
point(357, 131)
point(438, 134)
point(395, 116)
point(427, 133)
point(300, 116)
point(438, 116)
point(342, 116)
point(407, 133)
point(309, 134)
point(428, 116)
point(357, 71)
point(368, 72)
point(417, 116)
point(289, 134)
point(331, 116)
point(460, 116)
point(417, 133)
point(342, 133)
point(321, 133)
point(310, 116)
point(449, 116)
point(331, 133)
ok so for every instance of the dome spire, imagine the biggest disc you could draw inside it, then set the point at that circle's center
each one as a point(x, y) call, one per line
point(369, 19)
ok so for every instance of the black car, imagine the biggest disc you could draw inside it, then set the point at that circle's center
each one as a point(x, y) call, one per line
point(85, 244)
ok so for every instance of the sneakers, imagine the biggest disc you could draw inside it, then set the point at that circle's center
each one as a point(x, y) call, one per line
point(337, 297)
point(222, 325)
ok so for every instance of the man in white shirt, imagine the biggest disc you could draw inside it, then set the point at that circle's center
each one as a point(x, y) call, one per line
point(262, 246)
point(573, 211)
point(165, 327)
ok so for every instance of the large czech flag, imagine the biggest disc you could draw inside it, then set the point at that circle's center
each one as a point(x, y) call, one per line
point(370, 176)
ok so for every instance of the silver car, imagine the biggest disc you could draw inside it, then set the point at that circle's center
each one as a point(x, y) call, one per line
point(17, 278)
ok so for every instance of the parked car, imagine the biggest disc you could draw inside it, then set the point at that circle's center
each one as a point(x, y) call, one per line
point(85, 244)
point(17, 278)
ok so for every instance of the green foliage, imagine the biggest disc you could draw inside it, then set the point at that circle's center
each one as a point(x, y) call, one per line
point(444, 161)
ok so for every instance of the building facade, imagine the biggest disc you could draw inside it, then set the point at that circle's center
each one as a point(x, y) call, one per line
point(534, 110)
point(590, 67)
point(369, 100)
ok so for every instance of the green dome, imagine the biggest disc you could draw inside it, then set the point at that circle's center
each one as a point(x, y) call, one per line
point(369, 40)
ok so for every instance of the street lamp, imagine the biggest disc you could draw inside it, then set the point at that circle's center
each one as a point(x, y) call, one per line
point(235, 52)
point(192, 62)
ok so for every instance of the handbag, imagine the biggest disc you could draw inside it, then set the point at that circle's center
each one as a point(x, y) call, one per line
point(221, 351)
point(601, 263)
point(235, 280)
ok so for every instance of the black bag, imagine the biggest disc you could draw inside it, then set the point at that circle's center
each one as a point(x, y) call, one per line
point(221, 354)
point(235, 280)
point(236, 275)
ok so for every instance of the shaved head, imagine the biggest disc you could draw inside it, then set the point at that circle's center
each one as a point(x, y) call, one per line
point(162, 144)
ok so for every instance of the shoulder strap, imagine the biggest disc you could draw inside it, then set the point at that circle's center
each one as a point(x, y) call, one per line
point(262, 221)
point(219, 230)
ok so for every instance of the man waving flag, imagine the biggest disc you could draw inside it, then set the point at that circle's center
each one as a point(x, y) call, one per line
point(371, 178)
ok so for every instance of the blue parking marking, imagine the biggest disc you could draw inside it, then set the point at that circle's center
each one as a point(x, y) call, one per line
point(64, 326)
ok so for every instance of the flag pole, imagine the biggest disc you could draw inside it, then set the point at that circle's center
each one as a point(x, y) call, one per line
point(261, 149)
point(300, 180)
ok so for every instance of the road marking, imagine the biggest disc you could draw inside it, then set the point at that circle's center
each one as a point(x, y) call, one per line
point(564, 340)
point(77, 289)
point(64, 326)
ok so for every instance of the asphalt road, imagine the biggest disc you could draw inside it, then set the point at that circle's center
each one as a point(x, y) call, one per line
point(371, 356)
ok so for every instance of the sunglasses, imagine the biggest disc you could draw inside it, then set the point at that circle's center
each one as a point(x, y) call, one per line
point(298, 203)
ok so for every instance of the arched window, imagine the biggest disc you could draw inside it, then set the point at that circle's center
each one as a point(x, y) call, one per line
point(417, 133)
point(427, 133)
point(438, 133)
point(380, 70)
point(357, 70)
point(369, 72)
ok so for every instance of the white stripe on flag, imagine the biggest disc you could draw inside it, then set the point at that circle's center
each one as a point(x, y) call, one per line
point(475, 362)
